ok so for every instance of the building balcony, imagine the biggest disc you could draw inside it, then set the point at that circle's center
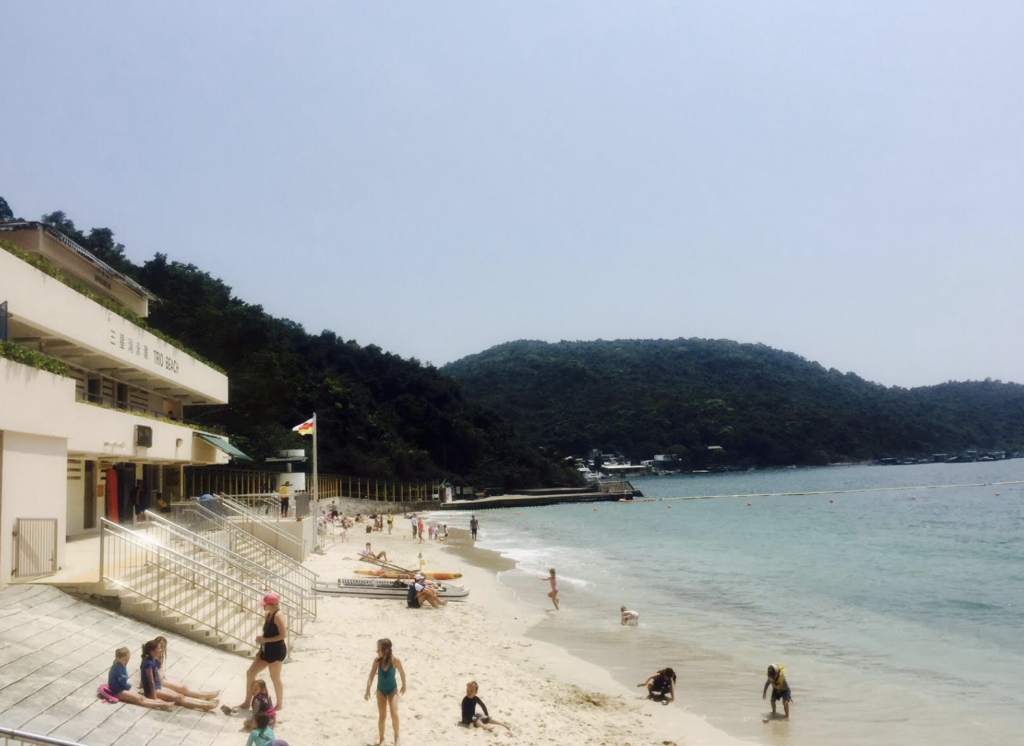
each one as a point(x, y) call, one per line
point(43, 404)
point(53, 318)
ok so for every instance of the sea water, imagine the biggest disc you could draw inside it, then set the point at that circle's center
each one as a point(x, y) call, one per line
point(897, 612)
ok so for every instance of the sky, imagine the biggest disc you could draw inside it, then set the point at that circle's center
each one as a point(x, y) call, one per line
point(843, 180)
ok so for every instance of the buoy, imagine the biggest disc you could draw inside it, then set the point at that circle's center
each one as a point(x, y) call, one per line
point(831, 500)
point(519, 512)
point(670, 507)
point(997, 494)
point(748, 505)
point(595, 510)
point(913, 498)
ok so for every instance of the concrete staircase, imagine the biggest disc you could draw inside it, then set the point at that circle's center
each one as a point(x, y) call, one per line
point(56, 649)
point(176, 592)
point(296, 589)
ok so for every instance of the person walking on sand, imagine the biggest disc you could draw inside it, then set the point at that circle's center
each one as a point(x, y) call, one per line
point(384, 667)
point(273, 650)
point(553, 594)
point(780, 688)
point(391, 523)
point(661, 687)
point(415, 526)
point(630, 618)
point(469, 717)
point(419, 525)
point(474, 524)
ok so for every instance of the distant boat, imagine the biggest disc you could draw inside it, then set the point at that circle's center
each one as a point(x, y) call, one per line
point(590, 476)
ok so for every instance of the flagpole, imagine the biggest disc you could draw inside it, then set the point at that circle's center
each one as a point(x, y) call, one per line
point(316, 479)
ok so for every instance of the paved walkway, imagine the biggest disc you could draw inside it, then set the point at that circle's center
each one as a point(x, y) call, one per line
point(55, 651)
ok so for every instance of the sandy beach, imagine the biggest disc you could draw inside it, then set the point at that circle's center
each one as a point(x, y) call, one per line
point(545, 694)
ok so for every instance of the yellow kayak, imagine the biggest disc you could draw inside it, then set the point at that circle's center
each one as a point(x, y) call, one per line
point(393, 574)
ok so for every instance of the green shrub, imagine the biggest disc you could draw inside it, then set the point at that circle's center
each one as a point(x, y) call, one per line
point(26, 356)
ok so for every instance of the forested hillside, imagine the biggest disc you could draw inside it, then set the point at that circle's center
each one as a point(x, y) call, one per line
point(379, 415)
point(761, 405)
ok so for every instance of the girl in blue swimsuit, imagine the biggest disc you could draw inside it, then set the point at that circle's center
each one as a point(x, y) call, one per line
point(384, 667)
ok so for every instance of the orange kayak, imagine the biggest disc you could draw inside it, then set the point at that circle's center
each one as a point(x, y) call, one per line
point(392, 574)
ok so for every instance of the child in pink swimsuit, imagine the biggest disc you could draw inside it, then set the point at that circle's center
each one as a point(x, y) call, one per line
point(553, 595)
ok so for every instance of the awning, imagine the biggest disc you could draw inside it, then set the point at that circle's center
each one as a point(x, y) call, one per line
point(223, 445)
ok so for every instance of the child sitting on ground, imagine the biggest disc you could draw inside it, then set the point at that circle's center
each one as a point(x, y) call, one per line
point(119, 687)
point(261, 734)
point(259, 701)
point(469, 717)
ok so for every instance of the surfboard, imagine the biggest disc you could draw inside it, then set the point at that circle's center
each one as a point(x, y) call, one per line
point(393, 574)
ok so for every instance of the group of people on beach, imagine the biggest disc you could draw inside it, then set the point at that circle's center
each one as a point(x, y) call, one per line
point(661, 685)
point(158, 693)
point(427, 531)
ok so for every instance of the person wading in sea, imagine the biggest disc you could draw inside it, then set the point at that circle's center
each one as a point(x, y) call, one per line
point(780, 688)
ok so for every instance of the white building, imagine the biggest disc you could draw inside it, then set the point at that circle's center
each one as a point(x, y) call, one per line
point(73, 448)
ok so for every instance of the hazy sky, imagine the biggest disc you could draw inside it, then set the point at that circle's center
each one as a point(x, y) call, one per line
point(844, 180)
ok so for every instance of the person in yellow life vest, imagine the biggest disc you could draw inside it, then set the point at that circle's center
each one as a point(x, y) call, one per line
point(780, 687)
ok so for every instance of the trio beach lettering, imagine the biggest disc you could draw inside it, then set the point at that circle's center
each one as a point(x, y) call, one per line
point(137, 348)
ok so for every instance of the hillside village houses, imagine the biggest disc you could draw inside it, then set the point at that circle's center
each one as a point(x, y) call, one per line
point(73, 449)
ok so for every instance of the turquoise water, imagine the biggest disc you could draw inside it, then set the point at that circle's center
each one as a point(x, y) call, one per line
point(897, 613)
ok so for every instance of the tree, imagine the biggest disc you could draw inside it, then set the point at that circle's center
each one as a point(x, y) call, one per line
point(6, 213)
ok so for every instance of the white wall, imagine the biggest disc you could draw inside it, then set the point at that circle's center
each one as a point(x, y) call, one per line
point(46, 303)
point(38, 402)
point(33, 484)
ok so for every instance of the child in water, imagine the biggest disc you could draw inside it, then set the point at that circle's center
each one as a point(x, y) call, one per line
point(780, 688)
point(469, 716)
point(553, 594)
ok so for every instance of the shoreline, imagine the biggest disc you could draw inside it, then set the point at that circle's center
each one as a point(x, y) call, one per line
point(666, 723)
point(544, 692)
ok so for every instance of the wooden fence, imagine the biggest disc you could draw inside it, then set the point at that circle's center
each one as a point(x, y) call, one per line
point(201, 480)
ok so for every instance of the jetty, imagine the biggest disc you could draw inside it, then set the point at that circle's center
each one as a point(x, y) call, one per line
point(593, 493)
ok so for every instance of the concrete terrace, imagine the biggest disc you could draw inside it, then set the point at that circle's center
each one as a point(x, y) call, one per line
point(56, 650)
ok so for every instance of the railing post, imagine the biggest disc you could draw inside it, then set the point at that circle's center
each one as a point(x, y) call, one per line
point(216, 593)
point(103, 555)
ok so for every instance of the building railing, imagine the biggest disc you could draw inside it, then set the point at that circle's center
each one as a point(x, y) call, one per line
point(189, 589)
point(107, 402)
point(222, 480)
point(262, 526)
point(12, 737)
point(615, 486)
point(202, 549)
point(194, 516)
point(261, 503)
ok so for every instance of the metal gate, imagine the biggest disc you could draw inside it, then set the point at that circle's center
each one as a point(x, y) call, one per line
point(35, 547)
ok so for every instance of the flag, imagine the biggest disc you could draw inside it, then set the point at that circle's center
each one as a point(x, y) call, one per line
point(306, 428)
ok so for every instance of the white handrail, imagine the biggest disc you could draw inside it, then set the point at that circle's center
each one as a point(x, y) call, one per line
point(10, 735)
point(230, 597)
point(185, 512)
point(303, 597)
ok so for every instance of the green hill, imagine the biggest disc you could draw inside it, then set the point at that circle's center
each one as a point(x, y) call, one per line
point(762, 406)
point(379, 415)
